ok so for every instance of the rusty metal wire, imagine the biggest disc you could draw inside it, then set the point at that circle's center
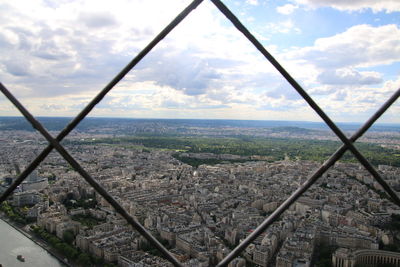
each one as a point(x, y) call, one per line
point(307, 184)
point(307, 98)
point(99, 189)
point(55, 142)
point(100, 96)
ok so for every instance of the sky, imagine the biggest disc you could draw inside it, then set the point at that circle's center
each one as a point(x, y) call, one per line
point(56, 55)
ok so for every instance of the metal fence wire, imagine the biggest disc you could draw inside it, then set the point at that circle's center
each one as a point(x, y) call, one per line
point(54, 143)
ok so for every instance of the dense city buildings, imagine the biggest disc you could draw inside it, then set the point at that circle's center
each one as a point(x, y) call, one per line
point(201, 213)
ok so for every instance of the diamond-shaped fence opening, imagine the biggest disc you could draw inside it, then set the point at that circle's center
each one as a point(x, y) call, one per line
point(55, 142)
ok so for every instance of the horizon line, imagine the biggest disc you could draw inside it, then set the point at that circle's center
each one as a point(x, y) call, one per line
point(204, 119)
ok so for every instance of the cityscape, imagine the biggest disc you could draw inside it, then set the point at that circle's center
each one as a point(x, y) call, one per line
point(200, 212)
point(219, 133)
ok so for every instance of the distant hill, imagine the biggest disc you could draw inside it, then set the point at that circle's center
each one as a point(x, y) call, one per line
point(126, 124)
point(294, 130)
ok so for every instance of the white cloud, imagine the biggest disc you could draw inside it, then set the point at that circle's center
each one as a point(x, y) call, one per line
point(58, 55)
point(70, 50)
point(252, 2)
point(286, 26)
point(359, 46)
point(349, 103)
point(286, 9)
point(97, 20)
point(333, 71)
point(349, 77)
point(355, 5)
point(82, 44)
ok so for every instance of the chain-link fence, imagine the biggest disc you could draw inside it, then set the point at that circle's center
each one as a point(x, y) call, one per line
point(54, 143)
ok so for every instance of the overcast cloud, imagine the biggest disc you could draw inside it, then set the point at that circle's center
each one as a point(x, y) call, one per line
point(56, 55)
